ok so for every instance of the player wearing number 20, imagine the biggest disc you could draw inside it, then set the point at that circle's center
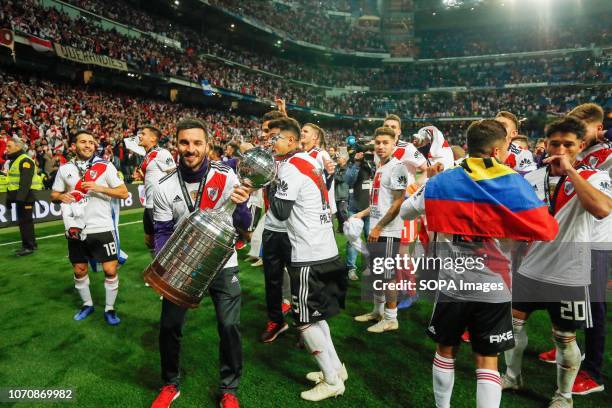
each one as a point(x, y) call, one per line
point(85, 186)
point(576, 195)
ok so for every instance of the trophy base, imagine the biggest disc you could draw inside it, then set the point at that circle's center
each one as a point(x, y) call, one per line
point(152, 275)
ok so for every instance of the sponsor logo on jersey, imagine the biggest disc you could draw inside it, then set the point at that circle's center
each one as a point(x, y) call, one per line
point(283, 186)
point(316, 313)
point(498, 338)
point(402, 180)
point(234, 279)
point(604, 185)
point(525, 162)
point(432, 329)
point(177, 199)
point(169, 160)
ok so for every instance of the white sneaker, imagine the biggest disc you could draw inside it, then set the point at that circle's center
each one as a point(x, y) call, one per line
point(384, 325)
point(559, 401)
point(511, 383)
point(323, 391)
point(368, 317)
point(259, 262)
point(352, 275)
point(317, 376)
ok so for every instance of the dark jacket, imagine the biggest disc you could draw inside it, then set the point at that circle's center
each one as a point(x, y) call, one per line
point(356, 174)
point(341, 188)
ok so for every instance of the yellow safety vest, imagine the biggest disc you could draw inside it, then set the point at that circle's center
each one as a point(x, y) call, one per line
point(3, 184)
point(14, 174)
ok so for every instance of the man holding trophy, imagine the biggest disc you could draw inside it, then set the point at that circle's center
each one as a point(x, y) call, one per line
point(200, 184)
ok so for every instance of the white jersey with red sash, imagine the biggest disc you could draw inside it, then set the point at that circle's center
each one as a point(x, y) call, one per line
point(566, 260)
point(98, 211)
point(390, 177)
point(170, 203)
point(321, 156)
point(309, 226)
point(156, 164)
point(519, 159)
point(600, 158)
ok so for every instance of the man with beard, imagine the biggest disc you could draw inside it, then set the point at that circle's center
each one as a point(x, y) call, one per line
point(204, 184)
point(86, 185)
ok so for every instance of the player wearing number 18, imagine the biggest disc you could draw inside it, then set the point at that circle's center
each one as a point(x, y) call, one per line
point(85, 186)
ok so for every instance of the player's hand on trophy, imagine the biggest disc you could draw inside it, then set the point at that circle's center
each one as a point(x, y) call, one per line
point(241, 194)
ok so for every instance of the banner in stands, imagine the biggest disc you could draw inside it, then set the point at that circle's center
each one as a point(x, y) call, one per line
point(47, 211)
point(86, 57)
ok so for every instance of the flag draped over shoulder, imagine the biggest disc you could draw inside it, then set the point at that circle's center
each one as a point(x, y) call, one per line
point(485, 198)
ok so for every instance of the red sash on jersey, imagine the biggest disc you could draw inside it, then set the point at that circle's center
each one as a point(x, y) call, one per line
point(567, 191)
point(92, 174)
point(375, 189)
point(597, 158)
point(213, 190)
point(399, 152)
point(148, 159)
point(309, 171)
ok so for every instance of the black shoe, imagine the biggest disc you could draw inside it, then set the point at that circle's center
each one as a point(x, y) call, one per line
point(24, 252)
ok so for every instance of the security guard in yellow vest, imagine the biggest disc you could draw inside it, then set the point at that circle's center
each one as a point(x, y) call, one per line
point(22, 181)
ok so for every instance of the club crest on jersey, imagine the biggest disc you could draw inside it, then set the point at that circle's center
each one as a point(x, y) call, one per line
point(93, 174)
point(213, 193)
point(593, 161)
point(568, 188)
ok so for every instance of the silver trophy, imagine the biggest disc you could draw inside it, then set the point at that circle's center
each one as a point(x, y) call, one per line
point(204, 241)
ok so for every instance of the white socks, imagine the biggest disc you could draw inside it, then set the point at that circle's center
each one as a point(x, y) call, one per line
point(488, 388)
point(331, 350)
point(82, 286)
point(443, 380)
point(390, 314)
point(568, 361)
point(514, 356)
point(111, 286)
point(317, 344)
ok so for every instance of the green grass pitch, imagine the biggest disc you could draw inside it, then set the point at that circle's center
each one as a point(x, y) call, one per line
point(42, 347)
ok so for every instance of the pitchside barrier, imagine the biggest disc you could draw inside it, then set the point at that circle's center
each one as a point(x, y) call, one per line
point(45, 210)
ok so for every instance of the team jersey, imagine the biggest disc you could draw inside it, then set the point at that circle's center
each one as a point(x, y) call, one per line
point(491, 263)
point(566, 260)
point(98, 212)
point(272, 223)
point(309, 226)
point(390, 177)
point(156, 164)
point(321, 156)
point(599, 157)
point(169, 203)
point(439, 150)
point(519, 159)
point(407, 154)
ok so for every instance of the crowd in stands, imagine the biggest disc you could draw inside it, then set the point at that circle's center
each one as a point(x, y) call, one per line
point(468, 104)
point(574, 33)
point(310, 24)
point(151, 56)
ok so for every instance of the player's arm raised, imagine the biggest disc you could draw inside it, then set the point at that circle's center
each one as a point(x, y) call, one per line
point(596, 202)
